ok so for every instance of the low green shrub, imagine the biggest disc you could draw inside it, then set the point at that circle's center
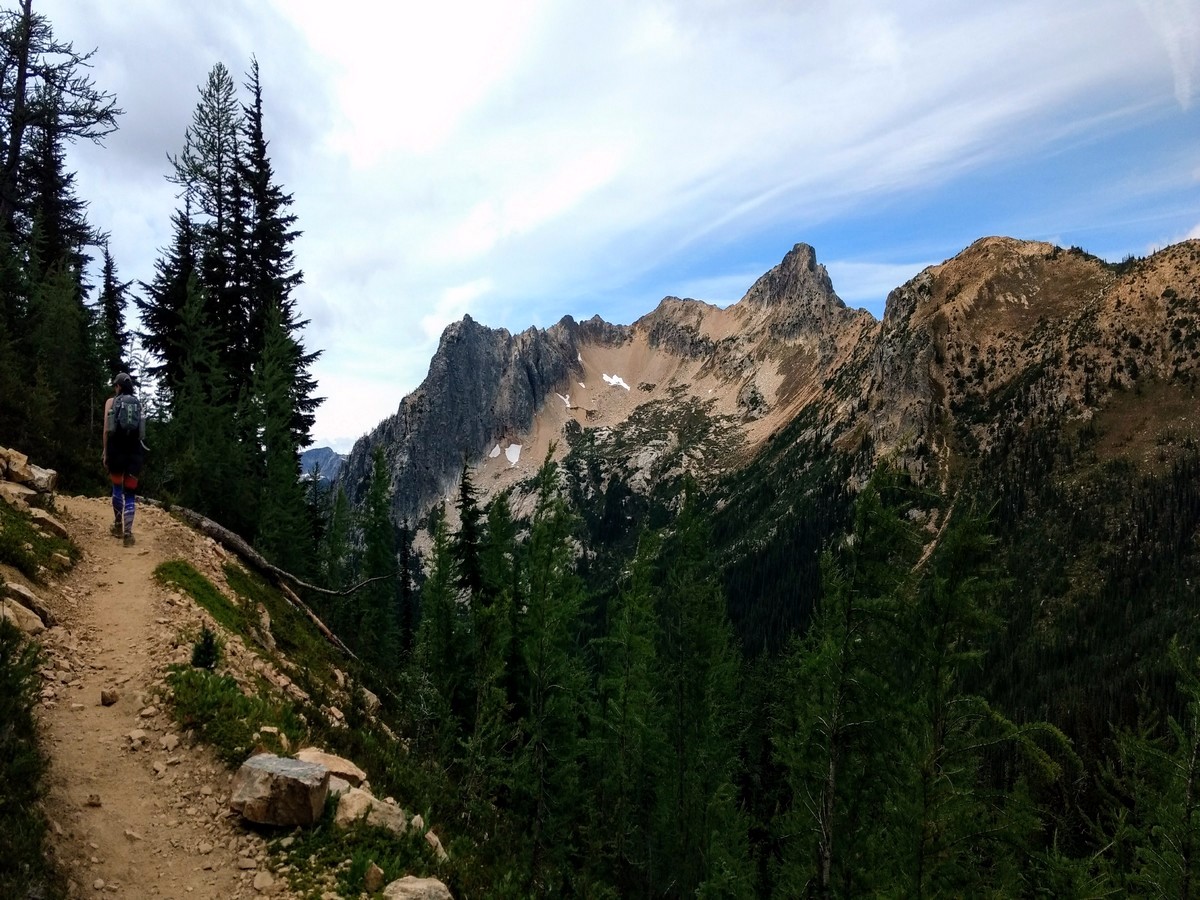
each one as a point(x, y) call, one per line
point(206, 652)
point(25, 870)
point(327, 848)
point(293, 631)
point(226, 718)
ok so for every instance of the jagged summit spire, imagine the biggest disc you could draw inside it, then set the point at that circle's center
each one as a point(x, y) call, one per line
point(799, 280)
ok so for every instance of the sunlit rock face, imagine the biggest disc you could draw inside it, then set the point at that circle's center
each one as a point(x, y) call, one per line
point(1004, 330)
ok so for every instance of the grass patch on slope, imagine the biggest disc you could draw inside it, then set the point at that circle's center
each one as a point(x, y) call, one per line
point(27, 550)
point(184, 576)
point(294, 634)
point(24, 867)
point(215, 706)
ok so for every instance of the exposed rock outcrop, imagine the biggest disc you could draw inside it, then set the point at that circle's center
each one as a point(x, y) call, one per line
point(18, 468)
point(482, 384)
point(1005, 323)
point(412, 888)
point(337, 766)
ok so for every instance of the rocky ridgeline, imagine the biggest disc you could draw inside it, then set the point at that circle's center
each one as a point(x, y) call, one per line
point(487, 385)
point(483, 383)
point(1005, 330)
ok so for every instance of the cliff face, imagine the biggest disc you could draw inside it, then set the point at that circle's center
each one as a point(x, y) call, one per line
point(483, 386)
point(1005, 331)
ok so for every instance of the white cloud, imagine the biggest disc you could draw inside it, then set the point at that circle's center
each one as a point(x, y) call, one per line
point(867, 284)
point(510, 158)
point(1177, 23)
point(452, 305)
point(408, 73)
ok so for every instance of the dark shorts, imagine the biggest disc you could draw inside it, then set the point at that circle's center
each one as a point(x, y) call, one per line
point(125, 457)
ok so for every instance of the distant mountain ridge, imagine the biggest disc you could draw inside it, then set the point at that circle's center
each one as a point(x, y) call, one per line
point(325, 460)
point(935, 380)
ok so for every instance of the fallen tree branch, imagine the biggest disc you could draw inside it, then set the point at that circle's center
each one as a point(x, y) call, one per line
point(285, 581)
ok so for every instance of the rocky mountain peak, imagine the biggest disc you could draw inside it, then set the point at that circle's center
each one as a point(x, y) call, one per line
point(798, 280)
point(797, 298)
point(1003, 321)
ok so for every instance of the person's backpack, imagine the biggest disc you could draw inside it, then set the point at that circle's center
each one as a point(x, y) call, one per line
point(127, 415)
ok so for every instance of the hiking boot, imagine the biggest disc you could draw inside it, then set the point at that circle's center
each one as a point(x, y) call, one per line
point(128, 540)
point(115, 530)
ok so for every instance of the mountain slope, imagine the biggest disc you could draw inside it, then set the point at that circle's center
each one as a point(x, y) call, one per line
point(1005, 330)
point(752, 365)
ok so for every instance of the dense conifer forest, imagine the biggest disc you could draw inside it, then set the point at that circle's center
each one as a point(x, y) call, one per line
point(772, 685)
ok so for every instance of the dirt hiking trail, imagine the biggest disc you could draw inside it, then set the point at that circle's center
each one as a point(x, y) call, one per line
point(136, 808)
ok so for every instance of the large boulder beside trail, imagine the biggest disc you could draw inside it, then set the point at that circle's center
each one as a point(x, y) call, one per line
point(356, 804)
point(412, 888)
point(16, 495)
point(337, 766)
point(30, 601)
point(25, 620)
point(47, 522)
point(272, 790)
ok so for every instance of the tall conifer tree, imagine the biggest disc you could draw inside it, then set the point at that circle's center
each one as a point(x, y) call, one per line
point(114, 336)
point(701, 833)
point(284, 535)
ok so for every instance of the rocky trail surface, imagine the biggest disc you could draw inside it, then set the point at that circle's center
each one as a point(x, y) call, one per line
point(137, 809)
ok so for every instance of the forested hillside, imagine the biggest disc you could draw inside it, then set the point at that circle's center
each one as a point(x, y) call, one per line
point(899, 608)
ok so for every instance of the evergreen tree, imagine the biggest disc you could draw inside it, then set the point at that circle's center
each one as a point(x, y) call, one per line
point(163, 301)
point(406, 610)
point(433, 659)
point(206, 170)
point(283, 535)
point(701, 833)
point(469, 541)
point(55, 217)
point(487, 746)
point(200, 446)
point(546, 764)
point(957, 827)
point(1152, 829)
point(626, 742)
point(64, 386)
point(234, 234)
point(268, 261)
point(114, 337)
point(834, 716)
point(377, 632)
point(335, 545)
point(42, 86)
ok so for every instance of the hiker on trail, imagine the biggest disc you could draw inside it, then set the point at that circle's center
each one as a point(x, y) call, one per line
point(123, 452)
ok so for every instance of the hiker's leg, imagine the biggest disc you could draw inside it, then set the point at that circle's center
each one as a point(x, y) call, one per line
point(118, 500)
point(130, 484)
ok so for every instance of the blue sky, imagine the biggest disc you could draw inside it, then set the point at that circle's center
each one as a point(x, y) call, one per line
point(523, 160)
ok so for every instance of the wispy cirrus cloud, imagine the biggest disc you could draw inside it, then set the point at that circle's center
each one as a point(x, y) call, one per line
point(523, 160)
